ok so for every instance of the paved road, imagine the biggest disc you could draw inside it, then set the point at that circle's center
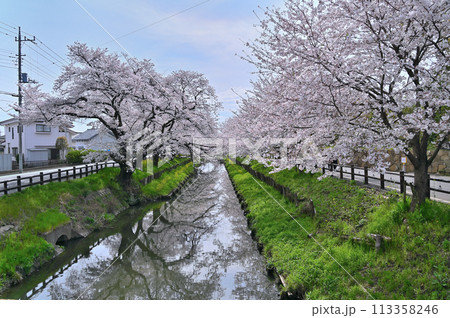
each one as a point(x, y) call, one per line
point(409, 178)
point(49, 174)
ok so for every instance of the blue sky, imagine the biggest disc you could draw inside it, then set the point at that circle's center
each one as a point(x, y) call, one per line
point(205, 38)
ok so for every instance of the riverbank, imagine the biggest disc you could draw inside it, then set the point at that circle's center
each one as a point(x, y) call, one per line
point(88, 204)
point(410, 263)
point(194, 246)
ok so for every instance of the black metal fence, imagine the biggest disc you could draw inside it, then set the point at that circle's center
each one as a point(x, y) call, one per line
point(60, 175)
point(20, 183)
point(382, 177)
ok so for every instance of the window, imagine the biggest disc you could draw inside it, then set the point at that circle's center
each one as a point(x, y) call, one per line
point(43, 128)
point(15, 151)
point(12, 133)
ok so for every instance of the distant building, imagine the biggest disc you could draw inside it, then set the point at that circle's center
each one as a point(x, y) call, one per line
point(94, 139)
point(38, 139)
point(2, 144)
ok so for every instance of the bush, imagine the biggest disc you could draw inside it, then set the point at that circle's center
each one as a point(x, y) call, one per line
point(77, 156)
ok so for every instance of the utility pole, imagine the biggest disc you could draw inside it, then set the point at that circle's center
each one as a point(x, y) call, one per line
point(19, 41)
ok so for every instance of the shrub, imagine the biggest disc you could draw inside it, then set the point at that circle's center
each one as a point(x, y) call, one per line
point(77, 156)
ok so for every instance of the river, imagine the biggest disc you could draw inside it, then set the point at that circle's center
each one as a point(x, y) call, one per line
point(196, 246)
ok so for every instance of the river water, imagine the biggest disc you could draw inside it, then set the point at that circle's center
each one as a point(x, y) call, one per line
point(195, 247)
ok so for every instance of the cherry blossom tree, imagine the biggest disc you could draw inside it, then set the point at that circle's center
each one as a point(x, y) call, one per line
point(124, 96)
point(196, 106)
point(130, 100)
point(354, 76)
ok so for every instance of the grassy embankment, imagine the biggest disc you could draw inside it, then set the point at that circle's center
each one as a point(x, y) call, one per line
point(413, 265)
point(88, 203)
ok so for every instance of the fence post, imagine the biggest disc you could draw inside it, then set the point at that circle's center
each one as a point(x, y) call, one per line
point(382, 180)
point(366, 175)
point(5, 187)
point(19, 184)
point(31, 182)
point(87, 171)
point(341, 173)
point(92, 169)
point(96, 167)
point(67, 174)
point(352, 172)
point(323, 170)
point(74, 172)
point(428, 186)
point(41, 178)
point(59, 175)
point(402, 182)
point(51, 176)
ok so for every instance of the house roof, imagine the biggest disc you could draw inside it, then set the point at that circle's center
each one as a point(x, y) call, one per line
point(8, 121)
point(89, 134)
point(16, 120)
point(86, 135)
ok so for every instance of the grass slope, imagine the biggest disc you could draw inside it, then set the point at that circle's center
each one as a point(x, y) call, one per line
point(167, 182)
point(40, 209)
point(414, 265)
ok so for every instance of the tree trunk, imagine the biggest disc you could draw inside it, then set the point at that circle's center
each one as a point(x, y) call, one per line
point(420, 189)
point(125, 175)
point(420, 162)
point(155, 158)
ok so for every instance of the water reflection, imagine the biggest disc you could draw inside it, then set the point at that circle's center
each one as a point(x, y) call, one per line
point(198, 247)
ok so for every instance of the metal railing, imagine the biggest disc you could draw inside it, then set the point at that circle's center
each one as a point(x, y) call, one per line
point(20, 183)
point(382, 177)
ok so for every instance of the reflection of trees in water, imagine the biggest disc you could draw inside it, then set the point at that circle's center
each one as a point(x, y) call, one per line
point(168, 260)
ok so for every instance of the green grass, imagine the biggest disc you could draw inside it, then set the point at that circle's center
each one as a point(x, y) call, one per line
point(21, 205)
point(141, 174)
point(412, 266)
point(46, 221)
point(167, 182)
point(40, 209)
point(163, 166)
point(19, 252)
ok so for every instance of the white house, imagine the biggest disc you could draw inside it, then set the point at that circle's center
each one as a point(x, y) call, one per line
point(94, 139)
point(2, 144)
point(38, 139)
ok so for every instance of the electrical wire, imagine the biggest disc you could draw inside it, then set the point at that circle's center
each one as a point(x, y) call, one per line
point(7, 34)
point(12, 27)
point(64, 61)
point(39, 71)
point(54, 62)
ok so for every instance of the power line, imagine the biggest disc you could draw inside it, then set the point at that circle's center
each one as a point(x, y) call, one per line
point(41, 67)
point(7, 53)
point(54, 62)
point(51, 57)
point(159, 21)
point(37, 69)
point(59, 56)
point(7, 57)
point(40, 71)
point(5, 29)
point(12, 27)
point(7, 66)
point(7, 34)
